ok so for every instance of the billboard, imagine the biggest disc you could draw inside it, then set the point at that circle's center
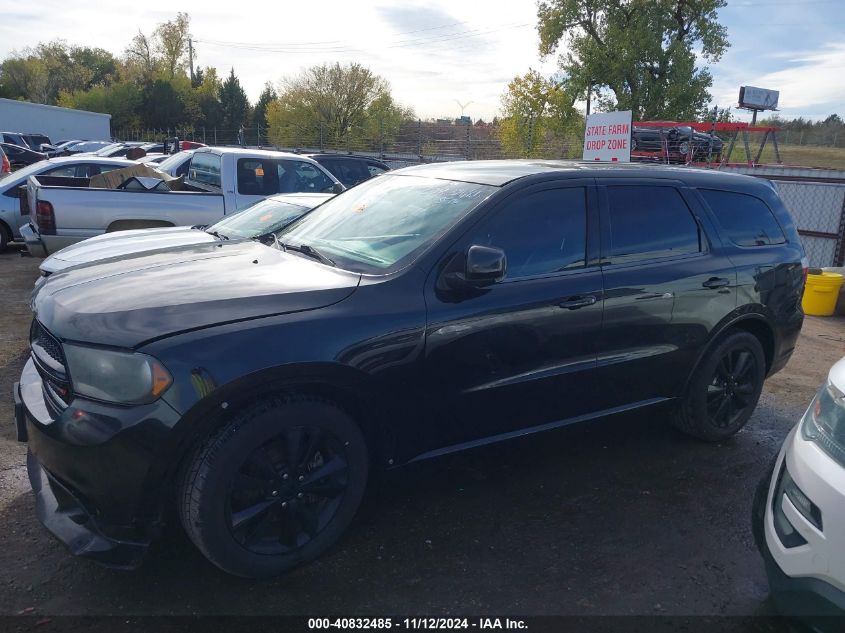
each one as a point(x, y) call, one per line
point(758, 98)
point(608, 137)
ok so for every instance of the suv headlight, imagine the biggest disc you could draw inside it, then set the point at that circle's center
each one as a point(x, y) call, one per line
point(824, 422)
point(120, 377)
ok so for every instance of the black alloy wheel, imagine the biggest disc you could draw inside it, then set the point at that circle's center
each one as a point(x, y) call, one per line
point(734, 383)
point(724, 388)
point(274, 486)
point(287, 490)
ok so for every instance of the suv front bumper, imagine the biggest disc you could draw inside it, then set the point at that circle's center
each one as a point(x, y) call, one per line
point(93, 472)
point(804, 578)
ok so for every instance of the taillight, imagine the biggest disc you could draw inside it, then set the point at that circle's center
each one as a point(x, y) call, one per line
point(23, 199)
point(45, 218)
point(6, 167)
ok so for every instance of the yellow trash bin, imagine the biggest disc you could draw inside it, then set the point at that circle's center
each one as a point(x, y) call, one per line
point(821, 293)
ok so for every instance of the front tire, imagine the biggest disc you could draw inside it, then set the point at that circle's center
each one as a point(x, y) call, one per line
point(724, 389)
point(274, 487)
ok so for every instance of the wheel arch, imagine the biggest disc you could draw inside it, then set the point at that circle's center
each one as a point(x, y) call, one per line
point(344, 386)
point(754, 323)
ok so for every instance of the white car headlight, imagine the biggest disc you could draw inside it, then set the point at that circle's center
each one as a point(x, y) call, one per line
point(120, 377)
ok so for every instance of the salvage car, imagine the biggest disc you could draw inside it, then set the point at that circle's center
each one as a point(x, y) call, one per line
point(248, 388)
point(255, 222)
point(799, 512)
point(220, 181)
point(13, 216)
point(21, 156)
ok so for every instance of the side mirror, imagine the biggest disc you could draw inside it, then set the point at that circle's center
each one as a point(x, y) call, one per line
point(338, 188)
point(485, 266)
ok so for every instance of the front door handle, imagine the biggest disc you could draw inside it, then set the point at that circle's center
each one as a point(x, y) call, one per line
point(716, 282)
point(573, 303)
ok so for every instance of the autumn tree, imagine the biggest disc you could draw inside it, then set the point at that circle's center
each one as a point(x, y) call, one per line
point(171, 43)
point(325, 102)
point(538, 117)
point(639, 55)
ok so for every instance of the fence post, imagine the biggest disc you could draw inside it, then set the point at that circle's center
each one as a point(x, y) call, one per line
point(215, 135)
point(348, 130)
point(321, 136)
point(381, 137)
point(530, 137)
point(419, 138)
point(466, 151)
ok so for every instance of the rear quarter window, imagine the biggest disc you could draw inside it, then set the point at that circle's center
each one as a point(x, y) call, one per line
point(205, 167)
point(744, 219)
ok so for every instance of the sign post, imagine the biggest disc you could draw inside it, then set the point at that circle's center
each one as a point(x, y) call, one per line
point(608, 137)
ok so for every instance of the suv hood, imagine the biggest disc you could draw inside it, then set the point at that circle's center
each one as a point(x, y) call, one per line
point(123, 244)
point(128, 302)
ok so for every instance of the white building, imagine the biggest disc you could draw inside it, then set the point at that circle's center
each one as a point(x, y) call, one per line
point(57, 123)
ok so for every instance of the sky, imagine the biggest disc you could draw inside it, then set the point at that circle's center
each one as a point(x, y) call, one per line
point(444, 58)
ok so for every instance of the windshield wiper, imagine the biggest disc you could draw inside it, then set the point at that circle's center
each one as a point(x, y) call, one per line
point(218, 235)
point(308, 251)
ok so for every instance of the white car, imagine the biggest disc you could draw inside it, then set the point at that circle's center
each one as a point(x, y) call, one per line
point(11, 218)
point(799, 513)
point(255, 222)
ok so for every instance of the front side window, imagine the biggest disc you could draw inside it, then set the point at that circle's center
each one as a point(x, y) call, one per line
point(269, 176)
point(205, 168)
point(746, 220)
point(384, 223)
point(648, 222)
point(541, 233)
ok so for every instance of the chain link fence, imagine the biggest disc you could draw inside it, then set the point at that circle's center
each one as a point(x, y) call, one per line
point(409, 142)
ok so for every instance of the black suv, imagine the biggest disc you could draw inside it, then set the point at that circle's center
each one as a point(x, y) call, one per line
point(427, 311)
point(349, 169)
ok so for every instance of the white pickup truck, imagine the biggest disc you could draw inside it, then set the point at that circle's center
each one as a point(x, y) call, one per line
point(219, 181)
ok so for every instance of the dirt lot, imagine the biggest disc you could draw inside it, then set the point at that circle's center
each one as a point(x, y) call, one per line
point(621, 516)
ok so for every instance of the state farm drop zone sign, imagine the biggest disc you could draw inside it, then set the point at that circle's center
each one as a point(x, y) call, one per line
point(608, 137)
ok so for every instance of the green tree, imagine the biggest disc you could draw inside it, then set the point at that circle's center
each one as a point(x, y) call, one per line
point(267, 96)
point(121, 99)
point(329, 98)
point(384, 118)
point(234, 104)
point(208, 98)
point(538, 117)
point(171, 44)
point(638, 55)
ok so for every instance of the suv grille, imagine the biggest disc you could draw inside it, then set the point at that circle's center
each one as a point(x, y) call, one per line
point(49, 359)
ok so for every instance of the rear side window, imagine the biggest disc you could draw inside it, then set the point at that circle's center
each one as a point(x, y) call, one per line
point(205, 167)
point(541, 233)
point(349, 172)
point(746, 220)
point(650, 222)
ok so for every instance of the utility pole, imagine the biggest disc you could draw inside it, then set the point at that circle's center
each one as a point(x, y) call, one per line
point(589, 97)
point(191, 58)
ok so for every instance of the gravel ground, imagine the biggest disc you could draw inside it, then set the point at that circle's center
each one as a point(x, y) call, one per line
point(622, 516)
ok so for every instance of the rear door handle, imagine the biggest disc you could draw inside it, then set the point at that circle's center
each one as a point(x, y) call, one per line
point(573, 303)
point(716, 282)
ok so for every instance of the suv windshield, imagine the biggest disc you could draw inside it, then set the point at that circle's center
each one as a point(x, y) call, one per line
point(385, 222)
point(265, 216)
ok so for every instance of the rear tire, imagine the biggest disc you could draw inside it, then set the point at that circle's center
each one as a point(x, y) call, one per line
point(274, 487)
point(724, 389)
